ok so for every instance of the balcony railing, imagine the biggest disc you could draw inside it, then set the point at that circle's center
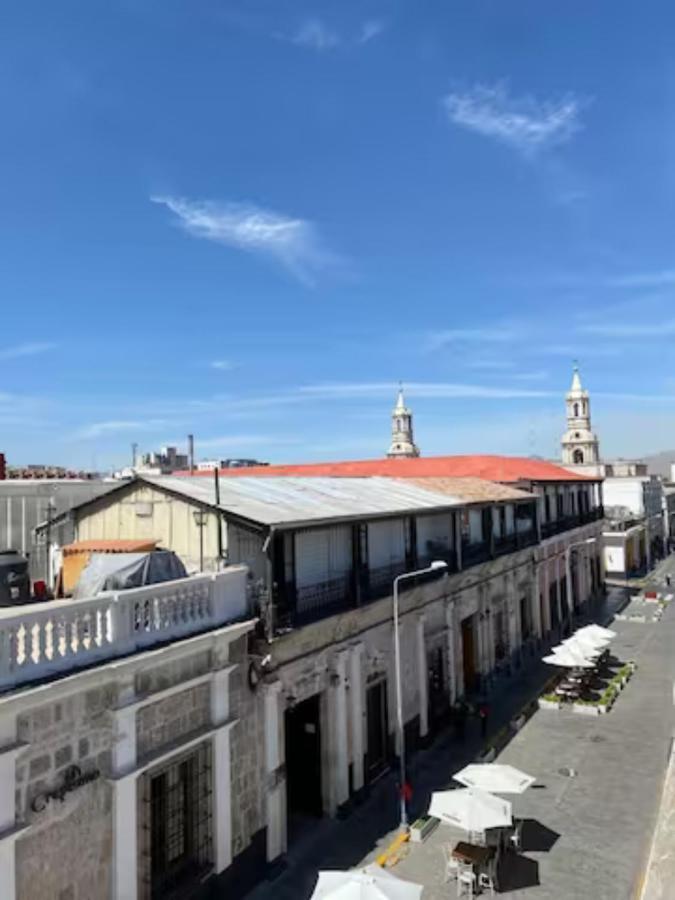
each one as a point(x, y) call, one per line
point(472, 554)
point(39, 640)
point(566, 523)
point(381, 580)
point(507, 543)
point(318, 601)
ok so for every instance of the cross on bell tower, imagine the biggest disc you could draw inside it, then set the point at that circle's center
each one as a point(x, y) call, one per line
point(580, 445)
point(402, 441)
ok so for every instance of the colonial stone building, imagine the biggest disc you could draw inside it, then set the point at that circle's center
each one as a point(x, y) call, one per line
point(323, 545)
point(131, 748)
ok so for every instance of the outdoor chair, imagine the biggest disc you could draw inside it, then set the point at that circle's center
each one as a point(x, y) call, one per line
point(452, 864)
point(516, 837)
point(486, 881)
point(466, 882)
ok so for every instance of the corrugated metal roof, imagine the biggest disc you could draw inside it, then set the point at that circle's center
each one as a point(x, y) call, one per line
point(285, 501)
point(471, 490)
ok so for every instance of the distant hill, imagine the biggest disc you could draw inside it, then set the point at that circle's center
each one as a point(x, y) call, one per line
point(659, 463)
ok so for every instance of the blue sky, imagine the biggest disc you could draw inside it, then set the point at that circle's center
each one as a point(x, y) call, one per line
point(251, 220)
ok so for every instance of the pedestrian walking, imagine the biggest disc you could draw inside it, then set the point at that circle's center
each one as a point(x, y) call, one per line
point(483, 716)
point(668, 580)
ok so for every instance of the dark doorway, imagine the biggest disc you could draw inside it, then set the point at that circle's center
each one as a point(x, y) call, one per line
point(439, 701)
point(303, 760)
point(468, 655)
point(180, 824)
point(378, 732)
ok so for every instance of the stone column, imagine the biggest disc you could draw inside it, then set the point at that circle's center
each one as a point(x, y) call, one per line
point(338, 753)
point(535, 602)
point(422, 677)
point(558, 590)
point(222, 776)
point(357, 713)
point(125, 829)
point(274, 759)
point(9, 831)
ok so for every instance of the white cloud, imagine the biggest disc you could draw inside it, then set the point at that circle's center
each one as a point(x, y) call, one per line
point(524, 123)
point(316, 35)
point(234, 441)
point(223, 365)
point(369, 30)
point(661, 278)
point(27, 349)
point(341, 390)
point(439, 339)
point(648, 329)
point(116, 426)
point(292, 242)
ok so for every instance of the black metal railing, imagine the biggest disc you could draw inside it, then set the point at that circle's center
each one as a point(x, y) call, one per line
point(472, 554)
point(565, 523)
point(326, 598)
point(506, 543)
point(381, 581)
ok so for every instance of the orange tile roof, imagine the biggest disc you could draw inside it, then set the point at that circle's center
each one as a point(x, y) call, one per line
point(505, 469)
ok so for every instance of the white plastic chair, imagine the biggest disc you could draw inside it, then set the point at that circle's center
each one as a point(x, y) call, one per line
point(486, 881)
point(466, 881)
point(452, 864)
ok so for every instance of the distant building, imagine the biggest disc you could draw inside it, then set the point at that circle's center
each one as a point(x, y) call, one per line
point(168, 460)
point(209, 465)
point(402, 440)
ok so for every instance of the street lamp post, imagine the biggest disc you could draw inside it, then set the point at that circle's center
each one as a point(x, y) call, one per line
point(200, 522)
point(568, 573)
point(435, 566)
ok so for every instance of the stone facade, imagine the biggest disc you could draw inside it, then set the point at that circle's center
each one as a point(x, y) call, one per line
point(172, 719)
point(67, 852)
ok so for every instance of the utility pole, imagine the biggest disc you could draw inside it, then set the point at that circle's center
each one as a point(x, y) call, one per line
point(191, 453)
point(134, 454)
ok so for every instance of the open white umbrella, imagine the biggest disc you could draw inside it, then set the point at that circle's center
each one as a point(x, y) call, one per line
point(470, 809)
point(588, 639)
point(371, 883)
point(597, 630)
point(494, 778)
point(567, 659)
point(583, 647)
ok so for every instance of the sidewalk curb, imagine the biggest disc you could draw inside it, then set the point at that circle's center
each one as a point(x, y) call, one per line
point(644, 882)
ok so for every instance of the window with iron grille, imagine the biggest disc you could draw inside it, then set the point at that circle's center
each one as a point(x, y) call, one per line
point(177, 829)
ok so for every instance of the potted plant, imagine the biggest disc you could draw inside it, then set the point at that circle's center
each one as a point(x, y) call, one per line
point(422, 828)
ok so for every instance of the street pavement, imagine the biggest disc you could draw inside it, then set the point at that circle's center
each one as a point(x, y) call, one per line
point(586, 836)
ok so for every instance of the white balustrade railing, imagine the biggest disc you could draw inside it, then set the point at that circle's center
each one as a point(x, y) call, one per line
point(42, 639)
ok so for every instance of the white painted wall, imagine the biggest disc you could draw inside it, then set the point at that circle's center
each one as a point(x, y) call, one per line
point(386, 542)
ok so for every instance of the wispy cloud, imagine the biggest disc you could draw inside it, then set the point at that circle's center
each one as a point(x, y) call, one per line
point(649, 329)
point(236, 441)
point(116, 426)
point(524, 123)
point(659, 278)
point(369, 30)
point(223, 365)
point(346, 390)
point(316, 35)
point(27, 349)
point(293, 242)
point(438, 339)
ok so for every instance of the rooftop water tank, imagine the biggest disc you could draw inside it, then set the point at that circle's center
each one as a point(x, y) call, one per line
point(14, 580)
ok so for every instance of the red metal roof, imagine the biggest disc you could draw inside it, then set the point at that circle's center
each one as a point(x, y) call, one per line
point(505, 469)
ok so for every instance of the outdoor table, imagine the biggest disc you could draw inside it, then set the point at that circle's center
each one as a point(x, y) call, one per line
point(479, 857)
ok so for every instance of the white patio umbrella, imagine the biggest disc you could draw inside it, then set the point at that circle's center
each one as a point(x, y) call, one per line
point(588, 639)
point(597, 630)
point(470, 809)
point(567, 659)
point(494, 778)
point(370, 883)
point(574, 650)
point(583, 647)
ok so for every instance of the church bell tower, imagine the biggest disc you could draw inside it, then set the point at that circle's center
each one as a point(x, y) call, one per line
point(580, 446)
point(402, 441)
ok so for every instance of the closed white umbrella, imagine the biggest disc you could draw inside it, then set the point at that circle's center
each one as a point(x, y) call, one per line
point(597, 630)
point(371, 883)
point(583, 647)
point(470, 809)
point(494, 778)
